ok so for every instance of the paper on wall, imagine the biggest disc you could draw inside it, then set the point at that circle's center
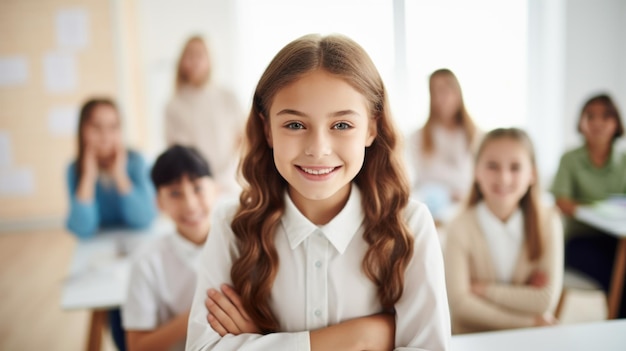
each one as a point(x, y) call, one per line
point(5, 150)
point(17, 182)
point(63, 120)
point(60, 72)
point(72, 28)
point(13, 71)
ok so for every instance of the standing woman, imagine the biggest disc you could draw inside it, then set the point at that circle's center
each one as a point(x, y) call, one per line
point(440, 153)
point(108, 184)
point(205, 116)
point(586, 174)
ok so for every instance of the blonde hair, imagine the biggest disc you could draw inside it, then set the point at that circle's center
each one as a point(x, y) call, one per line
point(462, 117)
point(530, 202)
point(181, 75)
point(385, 189)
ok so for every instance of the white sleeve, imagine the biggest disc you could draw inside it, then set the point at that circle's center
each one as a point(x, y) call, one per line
point(140, 310)
point(422, 314)
point(217, 258)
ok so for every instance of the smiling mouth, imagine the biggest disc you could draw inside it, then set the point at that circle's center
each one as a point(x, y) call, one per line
point(317, 170)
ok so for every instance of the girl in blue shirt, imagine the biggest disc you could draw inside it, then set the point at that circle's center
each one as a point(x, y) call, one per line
point(108, 185)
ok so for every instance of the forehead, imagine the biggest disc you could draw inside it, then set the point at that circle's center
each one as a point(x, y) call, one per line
point(103, 113)
point(504, 148)
point(597, 107)
point(319, 92)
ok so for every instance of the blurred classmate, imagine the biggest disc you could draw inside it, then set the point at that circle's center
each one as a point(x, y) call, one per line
point(590, 173)
point(440, 153)
point(504, 253)
point(163, 276)
point(108, 184)
point(205, 116)
point(324, 250)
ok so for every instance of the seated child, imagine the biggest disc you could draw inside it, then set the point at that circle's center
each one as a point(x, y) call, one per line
point(163, 278)
point(504, 252)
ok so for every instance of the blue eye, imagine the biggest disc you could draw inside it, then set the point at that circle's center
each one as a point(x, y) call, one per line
point(294, 125)
point(342, 126)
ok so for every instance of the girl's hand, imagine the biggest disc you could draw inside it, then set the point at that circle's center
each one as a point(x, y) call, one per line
point(118, 167)
point(545, 319)
point(118, 170)
point(89, 168)
point(478, 289)
point(538, 279)
point(226, 313)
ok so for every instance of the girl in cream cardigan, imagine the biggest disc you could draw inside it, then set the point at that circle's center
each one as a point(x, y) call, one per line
point(504, 253)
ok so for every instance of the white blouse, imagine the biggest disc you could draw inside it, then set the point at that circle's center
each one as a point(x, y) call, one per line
point(320, 281)
point(450, 164)
point(504, 240)
point(210, 120)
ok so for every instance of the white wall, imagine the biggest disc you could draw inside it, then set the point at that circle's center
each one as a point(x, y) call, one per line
point(595, 56)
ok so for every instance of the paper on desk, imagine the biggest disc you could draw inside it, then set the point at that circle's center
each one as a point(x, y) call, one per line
point(13, 71)
point(60, 72)
point(72, 28)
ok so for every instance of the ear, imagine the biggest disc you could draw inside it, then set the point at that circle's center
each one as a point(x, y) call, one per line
point(267, 130)
point(371, 132)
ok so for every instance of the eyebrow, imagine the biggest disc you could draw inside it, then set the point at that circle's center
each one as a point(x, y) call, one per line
point(302, 114)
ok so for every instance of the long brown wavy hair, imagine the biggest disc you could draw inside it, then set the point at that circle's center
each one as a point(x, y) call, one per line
point(462, 117)
point(530, 202)
point(382, 180)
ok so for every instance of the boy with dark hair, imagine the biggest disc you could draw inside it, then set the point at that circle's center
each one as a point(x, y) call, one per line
point(163, 277)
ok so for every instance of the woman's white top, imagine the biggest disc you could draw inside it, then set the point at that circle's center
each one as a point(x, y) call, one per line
point(504, 239)
point(320, 281)
point(210, 120)
point(449, 165)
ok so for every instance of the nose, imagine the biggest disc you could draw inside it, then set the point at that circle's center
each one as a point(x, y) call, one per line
point(504, 177)
point(318, 144)
point(190, 201)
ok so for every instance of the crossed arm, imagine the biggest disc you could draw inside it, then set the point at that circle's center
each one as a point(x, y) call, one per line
point(377, 332)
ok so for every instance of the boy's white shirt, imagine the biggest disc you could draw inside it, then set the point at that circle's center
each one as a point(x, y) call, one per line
point(161, 284)
point(503, 239)
point(320, 281)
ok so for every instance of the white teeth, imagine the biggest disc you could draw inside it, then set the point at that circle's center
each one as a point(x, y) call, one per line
point(317, 171)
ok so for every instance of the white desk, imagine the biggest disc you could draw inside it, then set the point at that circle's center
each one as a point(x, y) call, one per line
point(615, 226)
point(98, 275)
point(605, 336)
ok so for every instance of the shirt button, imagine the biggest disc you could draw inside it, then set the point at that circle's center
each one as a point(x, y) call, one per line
point(318, 313)
point(318, 264)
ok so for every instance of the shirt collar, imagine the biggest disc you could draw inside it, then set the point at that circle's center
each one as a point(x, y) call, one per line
point(339, 231)
point(610, 162)
point(514, 226)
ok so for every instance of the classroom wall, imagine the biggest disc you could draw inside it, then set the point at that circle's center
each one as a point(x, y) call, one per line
point(40, 48)
point(595, 56)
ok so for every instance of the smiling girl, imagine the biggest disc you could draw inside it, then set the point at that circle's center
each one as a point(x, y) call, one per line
point(324, 250)
point(504, 253)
